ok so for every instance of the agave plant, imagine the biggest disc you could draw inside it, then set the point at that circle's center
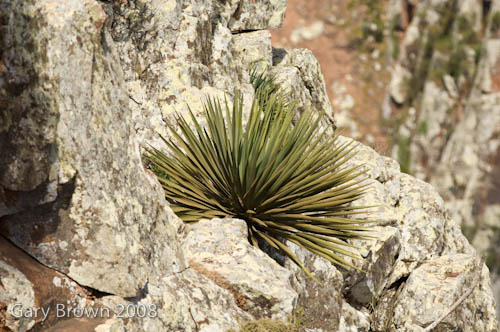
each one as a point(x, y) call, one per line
point(286, 181)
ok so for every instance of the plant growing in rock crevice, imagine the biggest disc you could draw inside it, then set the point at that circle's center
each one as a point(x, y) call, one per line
point(287, 180)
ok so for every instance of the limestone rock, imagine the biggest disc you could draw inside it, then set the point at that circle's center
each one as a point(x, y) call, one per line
point(184, 301)
point(451, 87)
point(433, 287)
point(321, 304)
point(352, 320)
point(17, 297)
point(254, 48)
point(398, 88)
point(414, 229)
point(94, 167)
point(379, 259)
point(453, 141)
point(74, 193)
point(219, 250)
point(299, 73)
point(85, 85)
point(87, 325)
point(469, 148)
point(28, 285)
point(257, 15)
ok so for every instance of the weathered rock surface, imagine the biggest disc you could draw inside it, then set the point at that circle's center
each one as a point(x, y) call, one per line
point(83, 86)
point(257, 15)
point(415, 230)
point(97, 200)
point(28, 284)
point(449, 62)
point(309, 90)
point(433, 288)
point(219, 249)
point(87, 325)
point(74, 192)
point(17, 296)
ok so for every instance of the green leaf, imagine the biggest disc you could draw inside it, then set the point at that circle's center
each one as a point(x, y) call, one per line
point(279, 172)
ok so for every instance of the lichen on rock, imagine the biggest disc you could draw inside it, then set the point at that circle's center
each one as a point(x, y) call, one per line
point(84, 85)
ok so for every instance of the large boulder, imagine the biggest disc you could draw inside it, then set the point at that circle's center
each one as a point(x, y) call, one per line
point(219, 249)
point(70, 147)
point(434, 287)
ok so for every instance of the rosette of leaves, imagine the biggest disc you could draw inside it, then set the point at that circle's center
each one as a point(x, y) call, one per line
point(287, 180)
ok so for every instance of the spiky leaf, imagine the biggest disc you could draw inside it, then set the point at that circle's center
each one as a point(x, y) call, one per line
point(287, 181)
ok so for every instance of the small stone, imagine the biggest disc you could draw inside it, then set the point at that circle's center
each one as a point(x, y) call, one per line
point(450, 85)
point(345, 102)
point(331, 19)
point(398, 88)
point(57, 282)
point(307, 33)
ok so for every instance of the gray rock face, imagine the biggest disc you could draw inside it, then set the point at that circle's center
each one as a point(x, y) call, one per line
point(257, 15)
point(398, 88)
point(450, 137)
point(434, 286)
point(18, 295)
point(74, 192)
point(415, 230)
point(86, 84)
point(254, 48)
point(300, 74)
point(102, 201)
point(322, 304)
point(219, 249)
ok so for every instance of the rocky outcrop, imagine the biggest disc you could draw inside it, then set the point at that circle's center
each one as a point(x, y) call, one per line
point(445, 91)
point(79, 223)
point(78, 107)
point(84, 86)
point(219, 249)
point(416, 231)
point(419, 304)
point(28, 284)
